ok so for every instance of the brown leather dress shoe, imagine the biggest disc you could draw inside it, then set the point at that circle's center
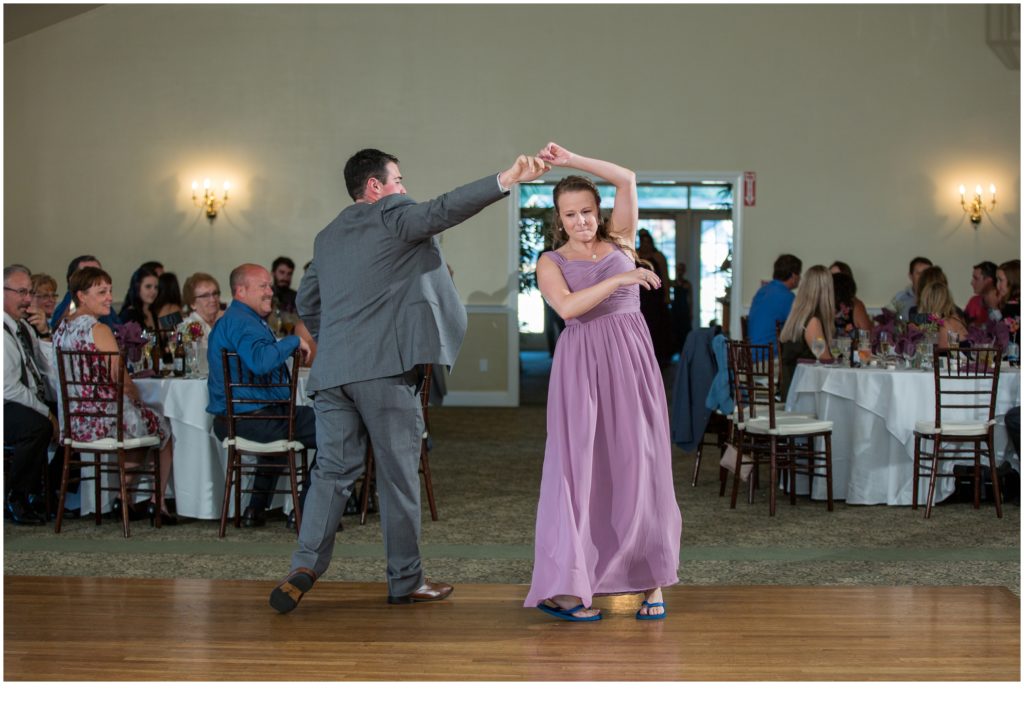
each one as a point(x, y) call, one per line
point(288, 592)
point(430, 591)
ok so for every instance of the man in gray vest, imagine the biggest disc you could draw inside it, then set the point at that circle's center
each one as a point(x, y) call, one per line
point(379, 300)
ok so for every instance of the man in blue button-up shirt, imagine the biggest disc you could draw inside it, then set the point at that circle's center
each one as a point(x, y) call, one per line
point(243, 329)
point(771, 303)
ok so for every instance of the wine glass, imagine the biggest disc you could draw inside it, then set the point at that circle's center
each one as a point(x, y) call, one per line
point(885, 344)
point(818, 347)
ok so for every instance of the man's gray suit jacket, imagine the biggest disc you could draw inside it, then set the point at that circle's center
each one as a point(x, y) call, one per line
point(378, 296)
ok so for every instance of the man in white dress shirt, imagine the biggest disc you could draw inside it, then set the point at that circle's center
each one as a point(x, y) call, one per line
point(29, 420)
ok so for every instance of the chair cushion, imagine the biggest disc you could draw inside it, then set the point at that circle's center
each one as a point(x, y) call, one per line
point(787, 426)
point(779, 414)
point(954, 428)
point(281, 446)
point(112, 444)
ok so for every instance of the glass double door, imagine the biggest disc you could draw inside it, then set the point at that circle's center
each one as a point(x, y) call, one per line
point(697, 245)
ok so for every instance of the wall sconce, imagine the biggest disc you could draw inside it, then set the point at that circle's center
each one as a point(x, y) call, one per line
point(974, 207)
point(208, 199)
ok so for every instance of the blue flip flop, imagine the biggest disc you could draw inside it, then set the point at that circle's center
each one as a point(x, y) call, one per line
point(567, 614)
point(651, 616)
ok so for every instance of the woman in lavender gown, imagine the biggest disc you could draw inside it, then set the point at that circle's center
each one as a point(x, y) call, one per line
point(607, 520)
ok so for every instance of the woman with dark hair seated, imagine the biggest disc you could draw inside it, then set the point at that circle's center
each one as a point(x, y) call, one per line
point(90, 290)
point(851, 313)
point(167, 305)
point(138, 301)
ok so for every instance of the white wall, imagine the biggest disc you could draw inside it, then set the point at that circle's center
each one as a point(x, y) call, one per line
point(860, 121)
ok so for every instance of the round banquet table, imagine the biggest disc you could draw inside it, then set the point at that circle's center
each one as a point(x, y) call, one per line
point(200, 461)
point(873, 412)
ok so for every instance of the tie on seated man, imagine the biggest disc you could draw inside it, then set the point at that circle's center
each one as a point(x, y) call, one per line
point(243, 329)
point(30, 422)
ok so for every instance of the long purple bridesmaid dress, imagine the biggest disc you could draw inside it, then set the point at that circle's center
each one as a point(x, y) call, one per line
point(607, 520)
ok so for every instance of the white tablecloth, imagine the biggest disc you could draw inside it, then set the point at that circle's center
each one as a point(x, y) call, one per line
point(874, 412)
point(200, 462)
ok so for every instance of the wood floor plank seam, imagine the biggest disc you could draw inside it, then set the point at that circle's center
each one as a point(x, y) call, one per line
point(512, 552)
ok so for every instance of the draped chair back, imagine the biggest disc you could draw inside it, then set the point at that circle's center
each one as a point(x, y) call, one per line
point(752, 372)
point(966, 383)
point(238, 379)
point(92, 387)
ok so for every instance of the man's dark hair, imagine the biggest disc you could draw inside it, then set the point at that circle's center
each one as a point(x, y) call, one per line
point(73, 265)
point(987, 268)
point(282, 260)
point(152, 264)
point(917, 261)
point(366, 164)
point(786, 266)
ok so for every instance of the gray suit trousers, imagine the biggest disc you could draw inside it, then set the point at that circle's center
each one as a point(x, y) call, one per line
point(388, 409)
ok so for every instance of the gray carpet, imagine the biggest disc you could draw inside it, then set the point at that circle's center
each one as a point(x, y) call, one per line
point(486, 465)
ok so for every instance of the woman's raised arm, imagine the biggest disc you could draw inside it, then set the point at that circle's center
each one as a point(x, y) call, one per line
point(625, 214)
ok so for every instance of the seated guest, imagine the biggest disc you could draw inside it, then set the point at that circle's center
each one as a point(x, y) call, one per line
point(929, 276)
point(92, 291)
point(44, 299)
point(156, 266)
point(1008, 286)
point(986, 296)
point(935, 303)
point(167, 304)
point(905, 299)
point(29, 410)
point(243, 329)
point(202, 299)
point(67, 305)
point(851, 314)
point(773, 301)
point(283, 268)
point(138, 301)
point(859, 307)
point(812, 317)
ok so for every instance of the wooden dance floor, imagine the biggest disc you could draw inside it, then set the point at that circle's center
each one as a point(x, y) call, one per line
point(60, 628)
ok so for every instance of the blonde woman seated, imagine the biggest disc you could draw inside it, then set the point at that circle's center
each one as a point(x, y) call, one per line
point(811, 318)
point(90, 290)
point(935, 302)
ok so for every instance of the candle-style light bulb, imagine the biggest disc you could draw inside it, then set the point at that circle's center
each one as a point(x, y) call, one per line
point(992, 189)
point(206, 184)
point(977, 190)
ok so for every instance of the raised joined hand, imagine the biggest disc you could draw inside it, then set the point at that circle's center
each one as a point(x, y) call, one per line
point(555, 154)
point(525, 169)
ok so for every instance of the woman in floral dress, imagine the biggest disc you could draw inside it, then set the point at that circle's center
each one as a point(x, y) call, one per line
point(90, 289)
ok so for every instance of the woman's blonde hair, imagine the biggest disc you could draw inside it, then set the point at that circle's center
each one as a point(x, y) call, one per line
point(935, 298)
point(814, 298)
point(577, 183)
point(929, 276)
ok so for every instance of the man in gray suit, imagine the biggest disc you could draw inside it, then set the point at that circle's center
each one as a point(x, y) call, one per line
point(379, 300)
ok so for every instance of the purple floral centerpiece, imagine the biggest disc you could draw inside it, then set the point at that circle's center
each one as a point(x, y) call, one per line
point(130, 340)
point(993, 333)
